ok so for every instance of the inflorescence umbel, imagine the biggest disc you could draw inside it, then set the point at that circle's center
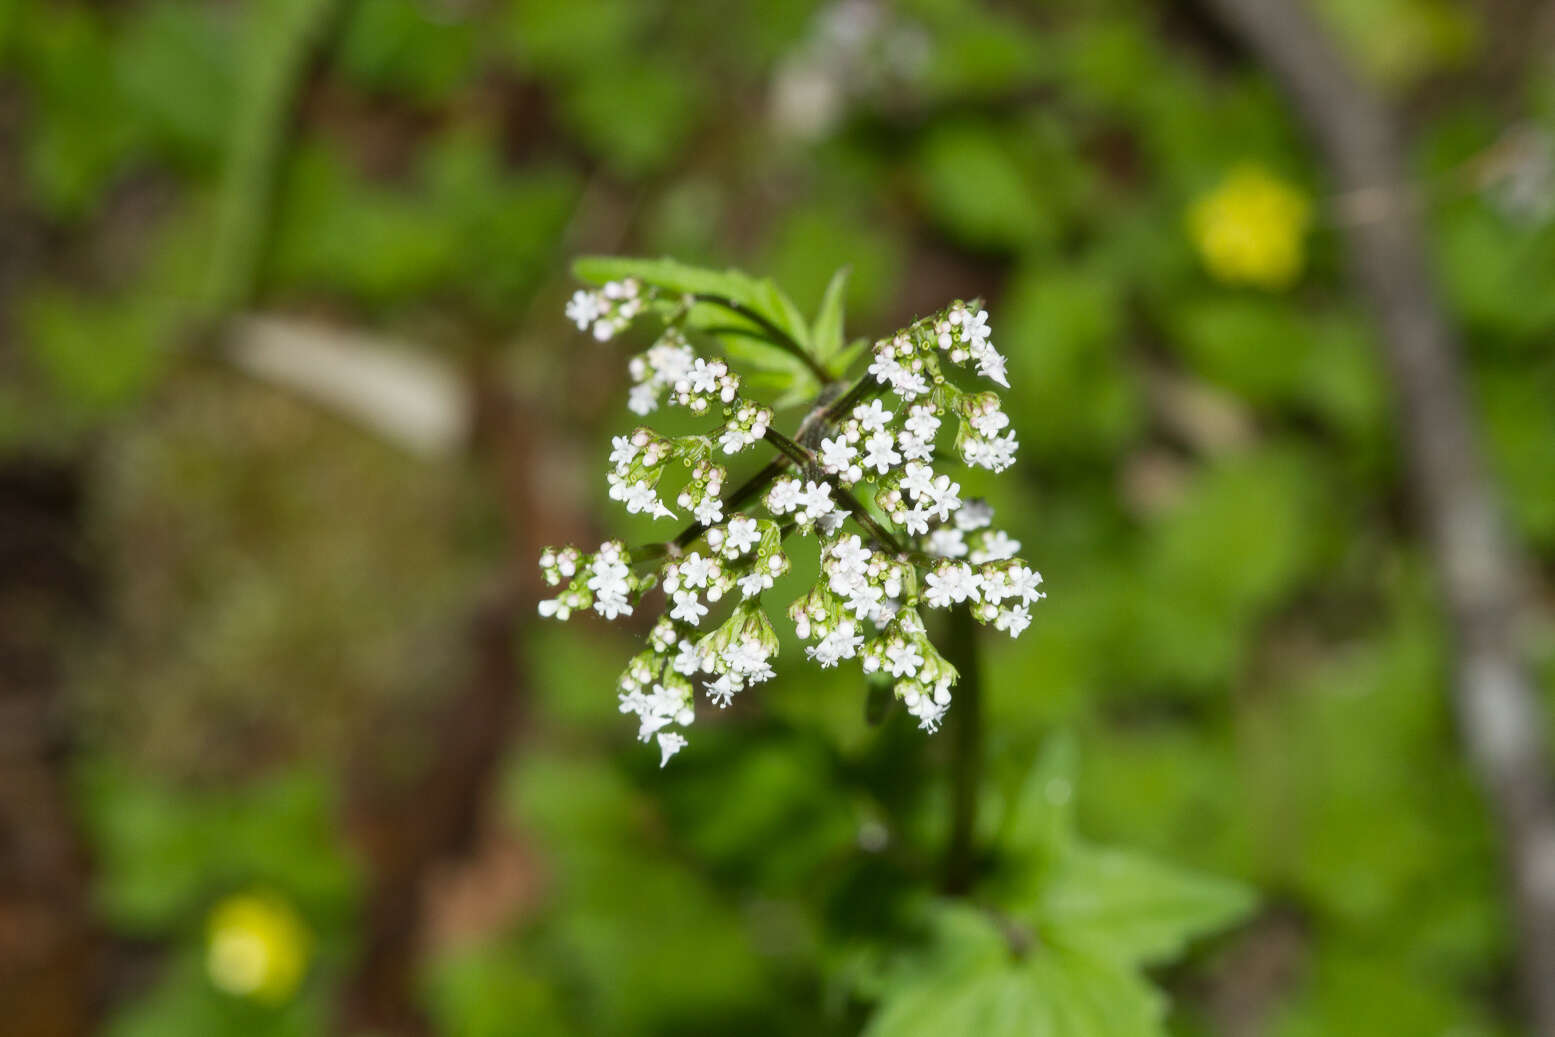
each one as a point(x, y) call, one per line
point(860, 474)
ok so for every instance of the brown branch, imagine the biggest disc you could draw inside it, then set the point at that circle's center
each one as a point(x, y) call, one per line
point(52, 953)
point(409, 830)
point(1479, 565)
point(412, 829)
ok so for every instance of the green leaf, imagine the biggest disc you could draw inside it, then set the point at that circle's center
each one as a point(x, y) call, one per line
point(1123, 907)
point(1128, 908)
point(842, 361)
point(972, 184)
point(1041, 819)
point(761, 296)
point(166, 849)
point(827, 335)
point(970, 980)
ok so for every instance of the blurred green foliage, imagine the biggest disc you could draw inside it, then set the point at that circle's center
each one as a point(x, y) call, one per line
point(1240, 636)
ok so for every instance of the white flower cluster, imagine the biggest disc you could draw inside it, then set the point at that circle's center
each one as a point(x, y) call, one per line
point(980, 442)
point(808, 503)
point(638, 463)
point(862, 457)
point(665, 363)
point(603, 580)
point(607, 311)
point(701, 494)
point(747, 425)
point(964, 335)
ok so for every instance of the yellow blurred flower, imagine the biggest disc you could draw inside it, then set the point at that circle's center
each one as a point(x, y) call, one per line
point(256, 947)
point(1251, 229)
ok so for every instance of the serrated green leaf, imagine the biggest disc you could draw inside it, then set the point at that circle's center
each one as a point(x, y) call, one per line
point(1129, 908)
point(969, 980)
point(759, 355)
point(1089, 996)
point(827, 335)
point(991, 1003)
point(760, 296)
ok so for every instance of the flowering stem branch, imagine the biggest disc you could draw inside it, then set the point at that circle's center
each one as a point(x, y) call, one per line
point(776, 335)
point(793, 451)
point(805, 459)
point(966, 749)
point(744, 492)
point(862, 390)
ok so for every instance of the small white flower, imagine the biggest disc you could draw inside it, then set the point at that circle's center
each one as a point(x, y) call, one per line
point(975, 514)
point(734, 439)
point(837, 456)
point(640, 497)
point(687, 608)
point(1001, 452)
point(841, 643)
point(918, 480)
point(879, 452)
point(928, 711)
point(644, 398)
point(951, 585)
point(583, 308)
point(622, 450)
point(990, 422)
point(1013, 620)
point(1023, 582)
point(753, 583)
point(902, 659)
point(743, 535)
point(885, 368)
point(784, 496)
point(943, 497)
point(997, 545)
point(748, 659)
point(709, 511)
point(871, 417)
point(922, 422)
point(914, 447)
point(910, 385)
point(991, 364)
point(670, 743)
point(916, 520)
point(947, 543)
point(696, 571)
point(722, 690)
point(816, 502)
point(687, 659)
point(849, 555)
point(975, 329)
point(864, 599)
point(611, 606)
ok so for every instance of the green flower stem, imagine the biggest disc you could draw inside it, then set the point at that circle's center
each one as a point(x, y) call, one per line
point(774, 334)
point(744, 492)
point(863, 389)
point(861, 514)
point(966, 748)
point(793, 454)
